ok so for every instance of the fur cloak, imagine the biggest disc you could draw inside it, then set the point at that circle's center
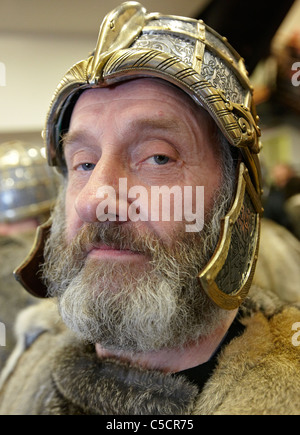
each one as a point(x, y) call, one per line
point(50, 372)
point(256, 373)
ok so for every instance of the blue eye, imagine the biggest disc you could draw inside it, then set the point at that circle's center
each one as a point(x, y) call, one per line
point(160, 159)
point(87, 166)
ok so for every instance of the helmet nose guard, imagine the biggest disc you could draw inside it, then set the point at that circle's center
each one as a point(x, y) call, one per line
point(195, 58)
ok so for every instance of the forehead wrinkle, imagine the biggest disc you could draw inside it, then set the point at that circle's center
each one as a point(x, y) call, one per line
point(143, 124)
point(191, 121)
point(148, 123)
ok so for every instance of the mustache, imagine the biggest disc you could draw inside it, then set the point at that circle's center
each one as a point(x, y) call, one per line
point(64, 260)
point(116, 236)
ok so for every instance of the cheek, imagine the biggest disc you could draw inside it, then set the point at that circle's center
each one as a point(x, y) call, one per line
point(73, 222)
point(208, 177)
point(166, 231)
point(214, 183)
point(210, 192)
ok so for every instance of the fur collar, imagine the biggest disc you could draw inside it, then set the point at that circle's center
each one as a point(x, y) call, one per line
point(112, 387)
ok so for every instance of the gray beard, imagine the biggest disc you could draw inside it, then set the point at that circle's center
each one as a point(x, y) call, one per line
point(126, 309)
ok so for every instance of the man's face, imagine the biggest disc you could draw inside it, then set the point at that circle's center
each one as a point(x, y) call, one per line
point(133, 285)
point(143, 131)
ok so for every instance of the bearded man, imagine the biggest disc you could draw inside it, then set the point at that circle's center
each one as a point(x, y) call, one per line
point(157, 317)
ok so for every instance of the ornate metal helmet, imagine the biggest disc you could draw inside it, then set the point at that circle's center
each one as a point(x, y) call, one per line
point(196, 59)
point(28, 185)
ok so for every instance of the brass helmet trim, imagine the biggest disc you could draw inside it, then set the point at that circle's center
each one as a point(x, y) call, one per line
point(190, 55)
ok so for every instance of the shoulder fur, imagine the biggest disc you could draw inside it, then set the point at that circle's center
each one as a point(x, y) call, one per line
point(30, 324)
point(258, 373)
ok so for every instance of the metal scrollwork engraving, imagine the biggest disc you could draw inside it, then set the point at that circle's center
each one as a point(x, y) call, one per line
point(230, 279)
point(216, 72)
point(183, 48)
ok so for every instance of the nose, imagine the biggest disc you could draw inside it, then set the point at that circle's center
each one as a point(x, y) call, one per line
point(100, 199)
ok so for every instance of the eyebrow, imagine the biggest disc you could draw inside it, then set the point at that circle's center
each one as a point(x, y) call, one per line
point(70, 138)
point(167, 124)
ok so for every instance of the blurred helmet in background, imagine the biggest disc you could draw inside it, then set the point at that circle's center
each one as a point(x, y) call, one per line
point(28, 185)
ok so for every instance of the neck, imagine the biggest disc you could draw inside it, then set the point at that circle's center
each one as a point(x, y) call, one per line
point(174, 360)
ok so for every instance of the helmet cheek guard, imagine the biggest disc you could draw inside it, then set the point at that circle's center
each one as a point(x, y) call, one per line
point(192, 56)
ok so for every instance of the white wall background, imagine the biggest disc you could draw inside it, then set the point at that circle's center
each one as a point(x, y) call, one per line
point(34, 67)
